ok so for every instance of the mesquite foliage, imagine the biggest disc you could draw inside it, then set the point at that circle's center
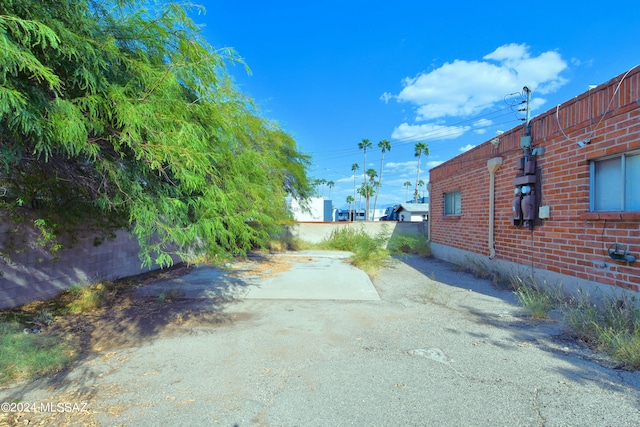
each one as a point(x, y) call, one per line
point(116, 114)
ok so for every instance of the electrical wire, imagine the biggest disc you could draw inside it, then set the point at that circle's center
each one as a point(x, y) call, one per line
point(433, 134)
point(560, 127)
point(429, 135)
point(426, 135)
point(593, 131)
point(595, 128)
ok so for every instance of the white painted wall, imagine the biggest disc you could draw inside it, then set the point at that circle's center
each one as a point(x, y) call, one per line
point(408, 216)
point(314, 214)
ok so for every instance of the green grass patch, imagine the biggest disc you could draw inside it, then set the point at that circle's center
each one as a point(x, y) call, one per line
point(406, 244)
point(28, 355)
point(25, 354)
point(480, 270)
point(612, 326)
point(85, 299)
point(287, 243)
point(539, 301)
point(369, 252)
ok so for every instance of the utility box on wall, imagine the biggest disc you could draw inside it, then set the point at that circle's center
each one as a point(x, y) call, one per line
point(527, 191)
point(571, 243)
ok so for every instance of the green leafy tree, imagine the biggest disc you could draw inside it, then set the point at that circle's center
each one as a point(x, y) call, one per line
point(384, 146)
point(121, 114)
point(420, 149)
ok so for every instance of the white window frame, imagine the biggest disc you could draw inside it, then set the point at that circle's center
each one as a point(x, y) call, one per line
point(456, 209)
point(627, 189)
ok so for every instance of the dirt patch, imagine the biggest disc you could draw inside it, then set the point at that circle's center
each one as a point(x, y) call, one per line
point(125, 319)
point(72, 408)
point(264, 266)
point(128, 320)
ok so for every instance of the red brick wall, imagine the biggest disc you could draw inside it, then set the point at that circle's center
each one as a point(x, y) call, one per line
point(573, 241)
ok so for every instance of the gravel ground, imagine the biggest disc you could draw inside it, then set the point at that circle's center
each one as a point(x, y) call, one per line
point(441, 348)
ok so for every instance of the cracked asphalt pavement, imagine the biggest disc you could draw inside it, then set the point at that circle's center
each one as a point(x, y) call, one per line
point(439, 348)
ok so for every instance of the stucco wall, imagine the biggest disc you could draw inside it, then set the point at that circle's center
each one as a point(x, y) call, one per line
point(317, 232)
point(573, 242)
point(34, 274)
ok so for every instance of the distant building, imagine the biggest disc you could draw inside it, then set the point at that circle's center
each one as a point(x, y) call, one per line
point(424, 199)
point(343, 215)
point(314, 209)
point(412, 212)
point(390, 214)
point(377, 214)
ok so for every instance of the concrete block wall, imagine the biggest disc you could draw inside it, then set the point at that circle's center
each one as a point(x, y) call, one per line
point(573, 242)
point(35, 274)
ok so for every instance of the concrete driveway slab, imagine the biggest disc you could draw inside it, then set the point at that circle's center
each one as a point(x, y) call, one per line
point(440, 348)
point(314, 275)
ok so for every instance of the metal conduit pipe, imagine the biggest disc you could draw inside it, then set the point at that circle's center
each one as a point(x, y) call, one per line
point(493, 165)
point(429, 214)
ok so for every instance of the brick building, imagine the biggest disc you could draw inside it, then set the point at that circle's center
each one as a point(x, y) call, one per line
point(573, 178)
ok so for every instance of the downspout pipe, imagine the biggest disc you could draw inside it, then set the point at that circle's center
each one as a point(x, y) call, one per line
point(429, 214)
point(493, 165)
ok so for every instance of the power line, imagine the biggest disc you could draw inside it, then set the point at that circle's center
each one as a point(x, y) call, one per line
point(433, 134)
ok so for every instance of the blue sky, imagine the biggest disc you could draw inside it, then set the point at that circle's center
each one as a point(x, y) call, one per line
point(335, 72)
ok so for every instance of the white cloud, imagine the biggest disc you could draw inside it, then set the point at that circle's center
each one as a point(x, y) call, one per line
point(398, 172)
point(480, 126)
point(464, 88)
point(466, 147)
point(395, 166)
point(385, 97)
point(410, 166)
point(407, 132)
point(482, 123)
point(401, 170)
point(536, 103)
point(349, 179)
point(433, 163)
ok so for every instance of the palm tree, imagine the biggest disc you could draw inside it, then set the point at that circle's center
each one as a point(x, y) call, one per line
point(322, 182)
point(363, 145)
point(371, 173)
point(384, 146)
point(350, 200)
point(420, 148)
point(406, 185)
point(421, 185)
point(366, 190)
point(354, 168)
point(316, 183)
point(330, 184)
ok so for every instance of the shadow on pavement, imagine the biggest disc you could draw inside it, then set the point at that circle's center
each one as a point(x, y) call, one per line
point(548, 335)
point(447, 273)
point(134, 316)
